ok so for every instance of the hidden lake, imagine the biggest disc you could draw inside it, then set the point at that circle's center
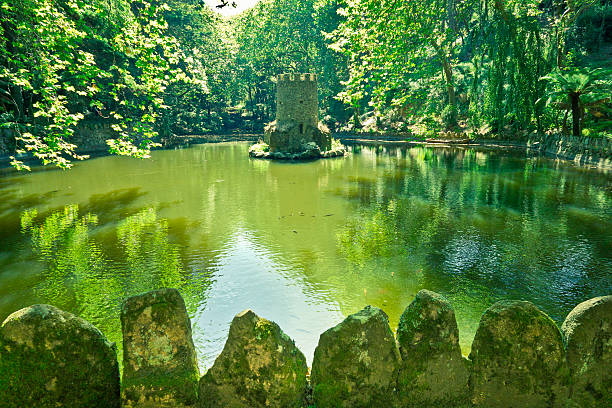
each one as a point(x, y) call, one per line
point(305, 244)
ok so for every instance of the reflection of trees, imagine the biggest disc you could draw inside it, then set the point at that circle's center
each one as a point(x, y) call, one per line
point(75, 276)
point(474, 224)
point(152, 261)
point(80, 278)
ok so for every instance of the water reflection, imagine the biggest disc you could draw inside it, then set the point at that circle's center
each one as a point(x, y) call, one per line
point(73, 264)
point(79, 276)
point(481, 227)
point(305, 244)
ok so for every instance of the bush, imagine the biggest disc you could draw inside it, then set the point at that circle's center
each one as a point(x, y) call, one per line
point(449, 116)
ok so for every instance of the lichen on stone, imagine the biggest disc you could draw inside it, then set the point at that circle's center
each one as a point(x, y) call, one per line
point(159, 359)
point(258, 367)
point(356, 362)
point(433, 371)
point(518, 355)
point(587, 331)
point(51, 358)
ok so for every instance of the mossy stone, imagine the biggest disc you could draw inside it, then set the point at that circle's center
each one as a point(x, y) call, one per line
point(290, 136)
point(588, 336)
point(51, 358)
point(160, 368)
point(433, 372)
point(356, 363)
point(518, 359)
point(260, 366)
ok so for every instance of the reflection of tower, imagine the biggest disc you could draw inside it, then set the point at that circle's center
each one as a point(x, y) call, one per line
point(296, 100)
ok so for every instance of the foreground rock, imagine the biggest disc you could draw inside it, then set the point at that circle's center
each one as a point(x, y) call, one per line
point(356, 363)
point(159, 360)
point(433, 371)
point(588, 336)
point(258, 367)
point(52, 358)
point(518, 359)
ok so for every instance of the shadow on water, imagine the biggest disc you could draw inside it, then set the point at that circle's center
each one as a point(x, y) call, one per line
point(109, 205)
point(13, 203)
point(114, 204)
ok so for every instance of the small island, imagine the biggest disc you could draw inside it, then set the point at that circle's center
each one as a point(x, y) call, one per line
point(296, 134)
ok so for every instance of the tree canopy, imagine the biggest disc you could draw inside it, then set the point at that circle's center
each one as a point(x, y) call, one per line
point(150, 69)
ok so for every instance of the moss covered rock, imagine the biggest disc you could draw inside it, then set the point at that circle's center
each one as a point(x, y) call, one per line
point(518, 359)
point(433, 371)
point(258, 367)
point(588, 335)
point(159, 360)
point(291, 136)
point(356, 363)
point(52, 358)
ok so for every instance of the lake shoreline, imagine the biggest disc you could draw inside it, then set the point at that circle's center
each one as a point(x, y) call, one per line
point(582, 151)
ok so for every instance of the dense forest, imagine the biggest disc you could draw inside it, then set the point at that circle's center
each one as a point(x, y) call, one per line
point(151, 69)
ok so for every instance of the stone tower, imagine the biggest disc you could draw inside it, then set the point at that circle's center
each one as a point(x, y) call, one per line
point(296, 129)
point(296, 99)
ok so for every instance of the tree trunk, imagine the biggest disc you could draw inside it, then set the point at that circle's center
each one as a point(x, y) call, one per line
point(17, 96)
point(356, 121)
point(539, 88)
point(450, 14)
point(448, 73)
point(575, 100)
point(602, 31)
point(558, 48)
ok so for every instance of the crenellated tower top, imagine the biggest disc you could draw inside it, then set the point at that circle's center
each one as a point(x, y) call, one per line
point(297, 100)
point(296, 77)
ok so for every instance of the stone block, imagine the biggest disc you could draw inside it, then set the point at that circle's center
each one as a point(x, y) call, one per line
point(51, 358)
point(433, 372)
point(356, 363)
point(518, 359)
point(159, 360)
point(588, 336)
point(258, 367)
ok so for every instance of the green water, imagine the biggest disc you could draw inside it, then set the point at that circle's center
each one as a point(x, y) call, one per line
point(305, 244)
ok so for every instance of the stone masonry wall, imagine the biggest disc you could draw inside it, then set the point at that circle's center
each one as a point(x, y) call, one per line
point(296, 99)
point(582, 150)
point(519, 358)
point(89, 137)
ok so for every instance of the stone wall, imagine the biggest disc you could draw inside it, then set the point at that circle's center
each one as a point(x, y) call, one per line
point(297, 100)
point(519, 358)
point(92, 136)
point(7, 142)
point(582, 150)
point(89, 137)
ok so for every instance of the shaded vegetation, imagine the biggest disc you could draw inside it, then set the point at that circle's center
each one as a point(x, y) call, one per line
point(151, 70)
